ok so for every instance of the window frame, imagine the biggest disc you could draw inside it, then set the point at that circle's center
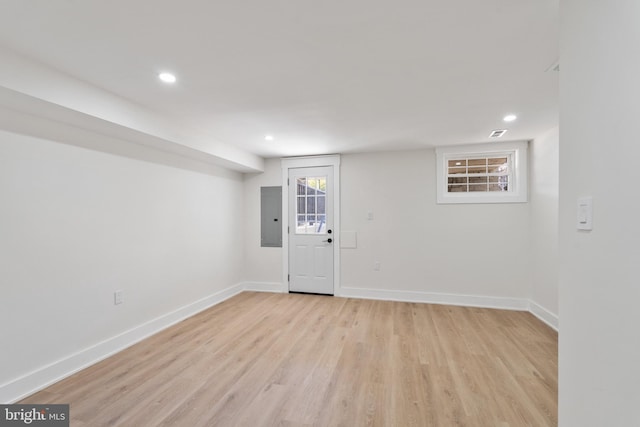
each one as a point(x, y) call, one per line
point(515, 151)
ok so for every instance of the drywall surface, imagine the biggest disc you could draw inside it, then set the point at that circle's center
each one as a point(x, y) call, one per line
point(543, 194)
point(76, 225)
point(262, 265)
point(599, 287)
point(30, 86)
point(389, 200)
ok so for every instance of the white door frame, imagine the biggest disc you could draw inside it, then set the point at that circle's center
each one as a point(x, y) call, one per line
point(310, 162)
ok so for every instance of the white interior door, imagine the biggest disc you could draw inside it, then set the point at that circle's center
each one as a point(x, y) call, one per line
point(311, 242)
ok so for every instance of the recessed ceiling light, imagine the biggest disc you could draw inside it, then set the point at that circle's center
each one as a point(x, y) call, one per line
point(458, 163)
point(268, 137)
point(167, 77)
point(510, 117)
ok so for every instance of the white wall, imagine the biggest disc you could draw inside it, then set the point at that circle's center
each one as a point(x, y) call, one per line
point(484, 254)
point(261, 265)
point(466, 250)
point(543, 202)
point(78, 224)
point(599, 287)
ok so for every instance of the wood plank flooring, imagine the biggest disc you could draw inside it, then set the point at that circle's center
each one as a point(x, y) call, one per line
point(263, 359)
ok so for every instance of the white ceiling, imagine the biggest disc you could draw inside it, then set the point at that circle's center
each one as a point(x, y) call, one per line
point(321, 76)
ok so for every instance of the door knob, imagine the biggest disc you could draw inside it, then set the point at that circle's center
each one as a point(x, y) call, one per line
point(329, 240)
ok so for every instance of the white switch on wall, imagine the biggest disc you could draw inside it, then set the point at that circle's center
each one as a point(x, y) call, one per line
point(585, 213)
point(117, 297)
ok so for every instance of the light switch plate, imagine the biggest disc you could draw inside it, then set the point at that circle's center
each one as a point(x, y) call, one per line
point(584, 220)
point(117, 297)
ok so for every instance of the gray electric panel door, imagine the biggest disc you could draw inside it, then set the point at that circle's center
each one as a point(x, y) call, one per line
point(271, 217)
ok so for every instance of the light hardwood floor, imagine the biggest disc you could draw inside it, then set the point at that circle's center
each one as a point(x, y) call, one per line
point(297, 360)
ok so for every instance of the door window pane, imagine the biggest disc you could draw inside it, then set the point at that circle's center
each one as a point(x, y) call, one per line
point(311, 205)
point(302, 186)
point(320, 205)
point(301, 205)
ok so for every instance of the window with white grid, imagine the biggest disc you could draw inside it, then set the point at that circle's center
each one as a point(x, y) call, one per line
point(484, 173)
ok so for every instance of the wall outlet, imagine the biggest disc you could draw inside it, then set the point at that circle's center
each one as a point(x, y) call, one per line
point(117, 297)
point(376, 266)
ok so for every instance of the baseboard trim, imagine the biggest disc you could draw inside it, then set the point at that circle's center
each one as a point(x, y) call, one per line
point(264, 287)
point(545, 315)
point(32, 382)
point(503, 303)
